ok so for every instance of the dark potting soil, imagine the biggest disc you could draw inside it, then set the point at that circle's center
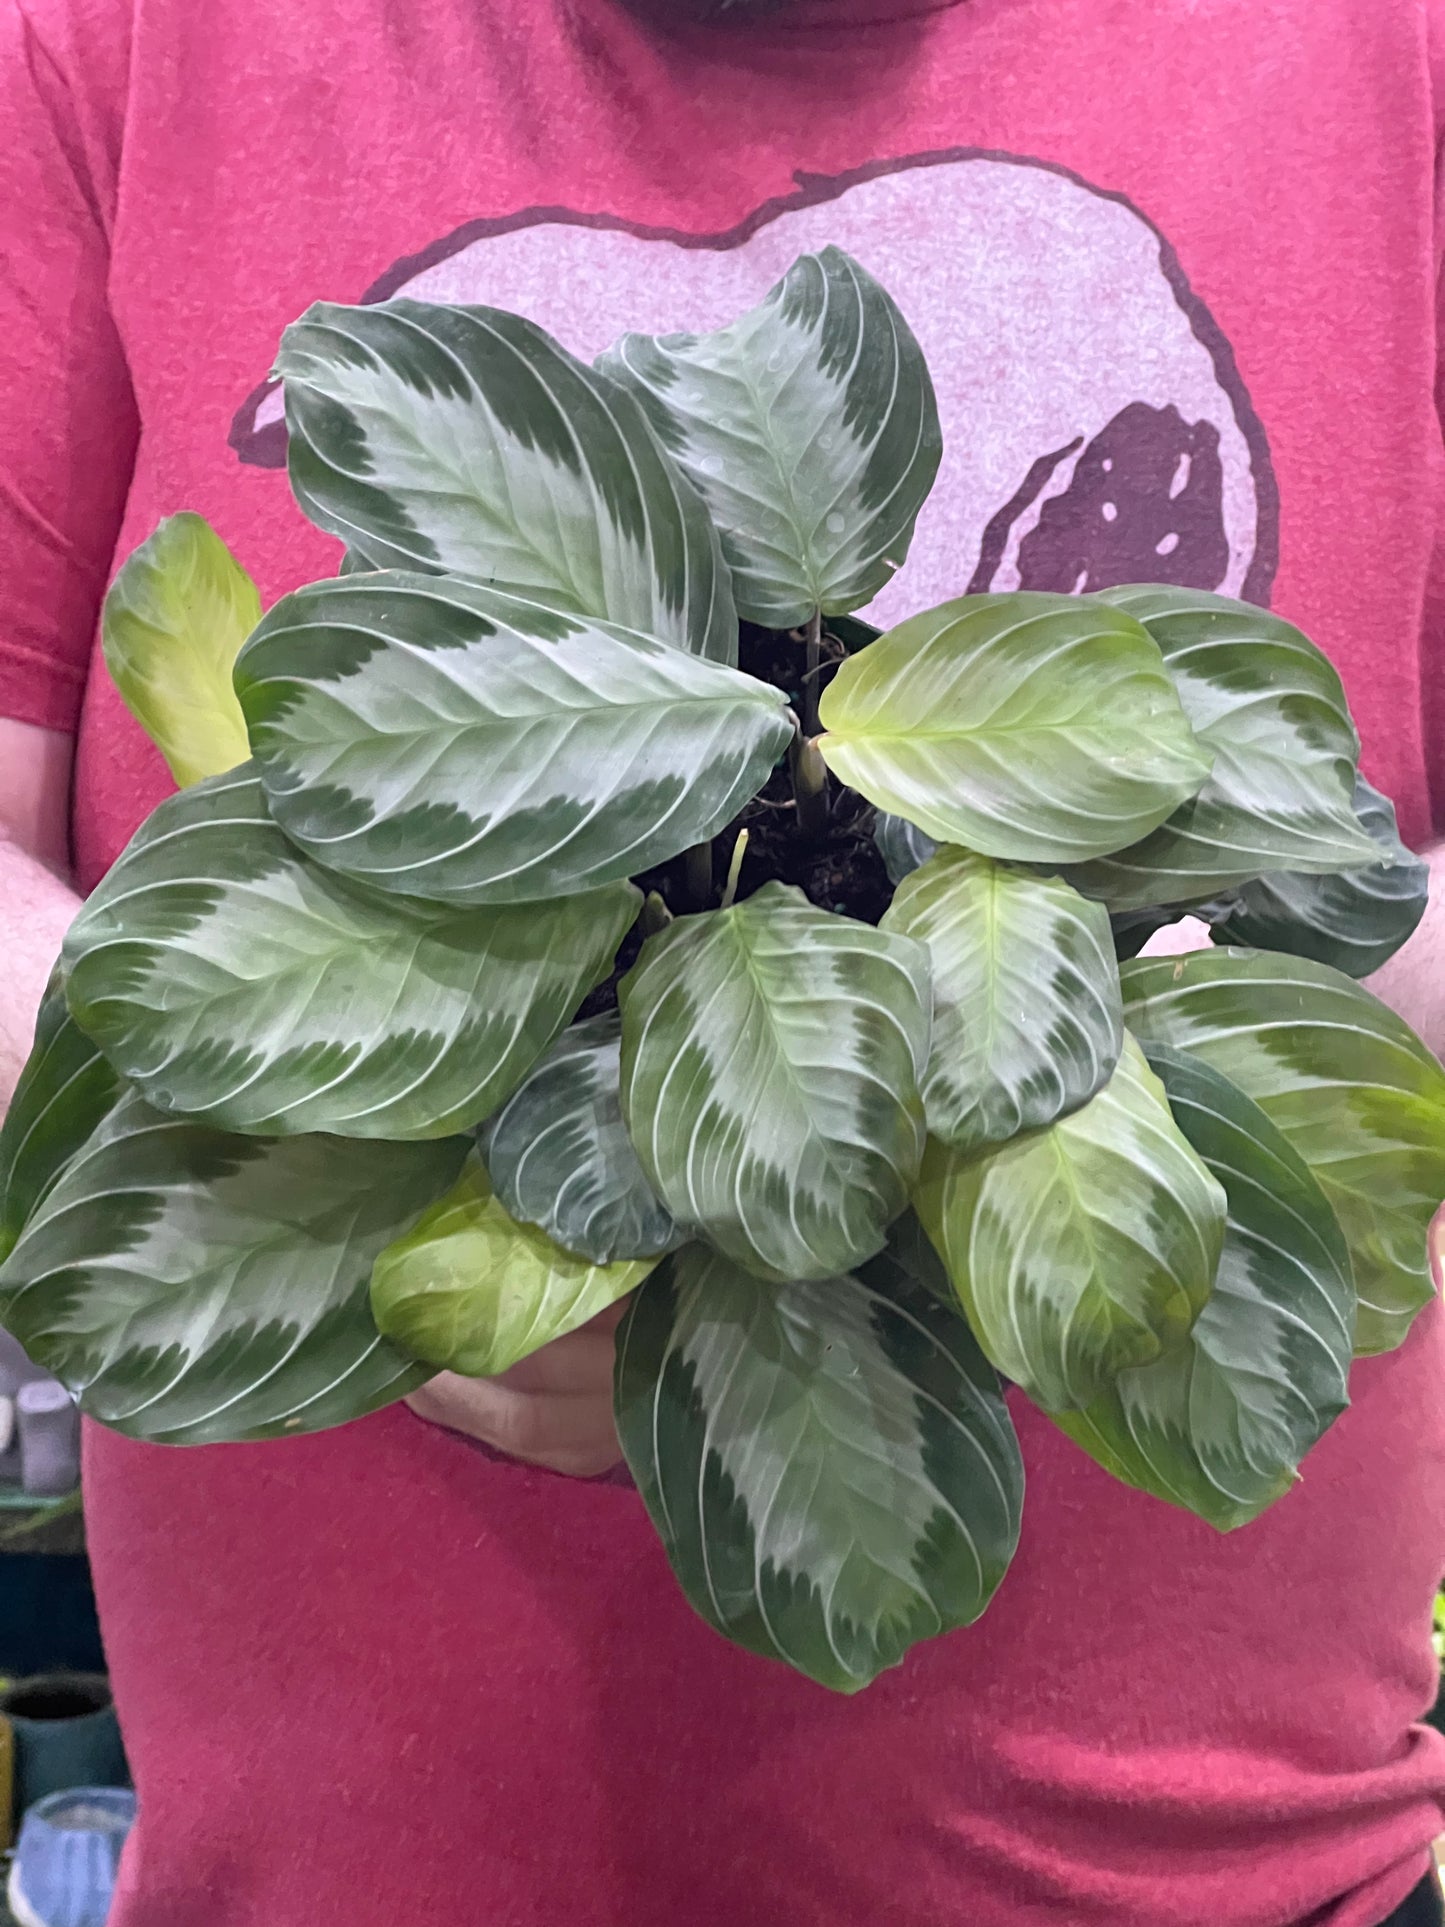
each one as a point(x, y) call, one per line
point(840, 871)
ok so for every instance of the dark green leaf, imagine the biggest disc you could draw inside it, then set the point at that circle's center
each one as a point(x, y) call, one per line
point(560, 1157)
point(770, 1063)
point(467, 441)
point(1220, 1424)
point(1355, 919)
point(901, 844)
point(810, 429)
point(439, 739)
point(830, 1465)
point(1352, 1088)
point(1027, 1019)
point(231, 978)
point(1270, 708)
point(64, 1091)
point(192, 1287)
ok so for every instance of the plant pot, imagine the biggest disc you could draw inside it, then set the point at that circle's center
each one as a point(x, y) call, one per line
point(65, 1867)
point(65, 1735)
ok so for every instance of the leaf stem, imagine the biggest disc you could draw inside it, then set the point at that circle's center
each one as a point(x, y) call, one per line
point(740, 850)
point(697, 875)
point(810, 787)
point(813, 639)
point(655, 914)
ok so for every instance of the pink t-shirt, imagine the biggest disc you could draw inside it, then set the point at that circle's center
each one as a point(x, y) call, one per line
point(1174, 265)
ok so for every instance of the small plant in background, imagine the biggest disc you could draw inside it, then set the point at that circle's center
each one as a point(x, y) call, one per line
point(575, 898)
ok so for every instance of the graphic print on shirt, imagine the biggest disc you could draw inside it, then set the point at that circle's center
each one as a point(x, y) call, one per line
point(1096, 428)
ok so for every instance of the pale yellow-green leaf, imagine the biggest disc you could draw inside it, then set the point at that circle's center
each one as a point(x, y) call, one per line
point(471, 1290)
point(1032, 728)
point(173, 624)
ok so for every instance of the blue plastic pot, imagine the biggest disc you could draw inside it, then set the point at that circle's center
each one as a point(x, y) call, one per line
point(67, 1858)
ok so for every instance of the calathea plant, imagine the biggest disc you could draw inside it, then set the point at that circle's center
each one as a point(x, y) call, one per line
point(574, 898)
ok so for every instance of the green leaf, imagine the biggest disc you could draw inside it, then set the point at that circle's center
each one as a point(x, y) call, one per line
point(440, 739)
point(1270, 708)
point(830, 1465)
point(1220, 1424)
point(1040, 728)
point(231, 978)
point(1082, 1250)
point(65, 1089)
point(810, 429)
point(770, 1063)
point(1355, 919)
point(901, 844)
point(560, 1157)
point(1353, 1089)
point(174, 619)
point(192, 1287)
point(1027, 1017)
point(467, 441)
point(470, 1290)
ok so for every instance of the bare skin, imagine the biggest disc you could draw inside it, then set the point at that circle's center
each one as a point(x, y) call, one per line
point(555, 1408)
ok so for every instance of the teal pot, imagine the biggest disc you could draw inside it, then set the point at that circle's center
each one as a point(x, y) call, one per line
point(66, 1735)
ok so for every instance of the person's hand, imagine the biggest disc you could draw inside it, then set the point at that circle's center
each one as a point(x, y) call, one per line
point(553, 1409)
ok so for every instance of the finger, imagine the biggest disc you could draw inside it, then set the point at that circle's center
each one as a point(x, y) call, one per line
point(580, 1363)
point(609, 1320)
point(575, 1435)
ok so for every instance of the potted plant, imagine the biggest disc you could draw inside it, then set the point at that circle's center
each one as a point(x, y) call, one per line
point(575, 898)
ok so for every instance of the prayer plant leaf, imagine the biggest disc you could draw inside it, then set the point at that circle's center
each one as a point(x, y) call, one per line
point(231, 978)
point(173, 623)
point(901, 844)
point(1269, 706)
point(1027, 1017)
point(770, 1063)
point(65, 1089)
point(560, 1157)
point(440, 739)
point(470, 1290)
point(1039, 728)
point(810, 429)
point(1081, 1250)
point(192, 1287)
point(1219, 1424)
point(830, 1465)
point(1355, 919)
point(466, 441)
point(1356, 1093)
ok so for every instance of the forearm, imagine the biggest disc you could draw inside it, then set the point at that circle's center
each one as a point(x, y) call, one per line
point(35, 908)
point(36, 901)
point(1413, 981)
